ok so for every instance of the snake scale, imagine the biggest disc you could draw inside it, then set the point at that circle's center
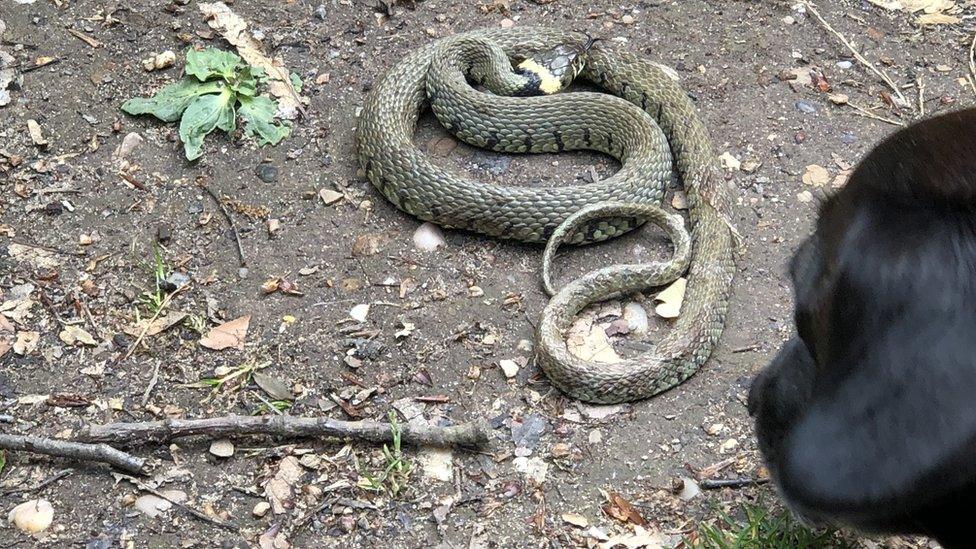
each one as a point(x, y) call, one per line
point(614, 123)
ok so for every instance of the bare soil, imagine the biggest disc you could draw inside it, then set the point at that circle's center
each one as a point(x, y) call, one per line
point(733, 57)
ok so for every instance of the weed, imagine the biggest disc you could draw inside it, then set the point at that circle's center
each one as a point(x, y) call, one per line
point(396, 473)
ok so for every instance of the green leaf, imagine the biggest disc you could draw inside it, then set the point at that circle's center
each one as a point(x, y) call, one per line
point(211, 62)
point(259, 114)
point(296, 82)
point(170, 102)
point(247, 82)
point(201, 117)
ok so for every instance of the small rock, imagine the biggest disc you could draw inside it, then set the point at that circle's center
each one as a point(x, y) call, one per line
point(261, 509)
point(838, 98)
point(330, 197)
point(805, 107)
point(636, 317)
point(526, 434)
point(595, 436)
point(32, 516)
point(848, 138)
point(844, 65)
point(789, 20)
point(509, 367)
point(164, 60)
point(222, 448)
point(164, 233)
point(507, 23)
point(129, 144)
point(266, 172)
point(428, 237)
point(728, 446)
point(321, 13)
point(627, 19)
point(359, 312)
point(679, 201)
point(714, 429)
point(805, 196)
point(689, 489)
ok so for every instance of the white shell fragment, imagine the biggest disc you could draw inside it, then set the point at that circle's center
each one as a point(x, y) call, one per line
point(32, 516)
point(222, 448)
point(359, 312)
point(428, 237)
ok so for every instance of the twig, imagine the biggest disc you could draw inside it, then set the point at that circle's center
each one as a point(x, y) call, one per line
point(38, 487)
point(152, 385)
point(73, 450)
point(861, 111)
point(216, 522)
point(465, 434)
point(142, 334)
point(717, 484)
point(747, 348)
point(230, 220)
point(921, 95)
point(857, 55)
point(85, 38)
point(972, 64)
point(91, 319)
point(29, 68)
point(133, 181)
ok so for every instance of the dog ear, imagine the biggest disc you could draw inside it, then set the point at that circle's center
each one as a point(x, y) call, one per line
point(893, 433)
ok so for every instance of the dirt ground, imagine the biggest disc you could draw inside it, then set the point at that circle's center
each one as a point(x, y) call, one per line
point(77, 240)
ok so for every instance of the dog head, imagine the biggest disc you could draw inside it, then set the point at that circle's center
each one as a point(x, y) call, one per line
point(867, 417)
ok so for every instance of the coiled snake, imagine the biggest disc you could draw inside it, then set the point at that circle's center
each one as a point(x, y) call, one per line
point(617, 125)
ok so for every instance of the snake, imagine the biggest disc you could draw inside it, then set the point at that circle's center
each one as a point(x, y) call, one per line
point(641, 116)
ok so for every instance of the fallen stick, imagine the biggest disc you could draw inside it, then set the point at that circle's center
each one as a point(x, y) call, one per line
point(857, 55)
point(73, 450)
point(466, 434)
point(230, 221)
point(37, 487)
point(717, 484)
point(186, 508)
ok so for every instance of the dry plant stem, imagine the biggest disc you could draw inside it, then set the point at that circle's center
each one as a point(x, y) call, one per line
point(921, 95)
point(38, 487)
point(142, 334)
point(861, 111)
point(465, 434)
point(972, 64)
point(152, 385)
point(230, 221)
point(717, 484)
point(73, 450)
point(188, 509)
point(857, 55)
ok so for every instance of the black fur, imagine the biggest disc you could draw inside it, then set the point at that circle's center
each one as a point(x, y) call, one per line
point(867, 418)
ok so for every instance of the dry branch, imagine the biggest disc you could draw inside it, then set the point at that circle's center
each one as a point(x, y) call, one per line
point(73, 450)
point(465, 434)
point(857, 55)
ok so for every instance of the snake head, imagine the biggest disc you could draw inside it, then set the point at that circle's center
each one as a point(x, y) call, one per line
point(552, 70)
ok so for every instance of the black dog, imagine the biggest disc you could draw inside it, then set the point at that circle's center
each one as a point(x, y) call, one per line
point(867, 418)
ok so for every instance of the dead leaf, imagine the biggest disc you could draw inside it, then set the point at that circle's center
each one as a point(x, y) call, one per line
point(366, 245)
point(228, 334)
point(26, 342)
point(74, 334)
point(937, 19)
point(619, 508)
point(640, 539)
point(816, 175)
point(6, 335)
point(234, 29)
point(275, 388)
point(38, 258)
point(280, 488)
point(35, 133)
point(161, 324)
point(589, 342)
point(670, 299)
point(576, 520)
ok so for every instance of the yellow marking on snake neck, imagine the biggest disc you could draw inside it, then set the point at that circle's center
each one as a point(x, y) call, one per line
point(548, 83)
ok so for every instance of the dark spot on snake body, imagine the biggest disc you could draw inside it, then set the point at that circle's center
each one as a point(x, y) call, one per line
point(528, 142)
point(587, 138)
point(644, 101)
point(610, 142)
point(623, 89)
point(558, 136)
point(492, 141)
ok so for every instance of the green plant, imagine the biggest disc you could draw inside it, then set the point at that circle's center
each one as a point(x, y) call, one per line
point(155, 298)
point(396, 473)
point(195, 322)
point(226, 374)
point(761, 528)
point(217, 88)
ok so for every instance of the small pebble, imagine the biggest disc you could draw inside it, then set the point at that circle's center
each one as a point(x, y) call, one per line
point(805, 107)
point(509, 367)
point(320, 12)
point(266, 172)
point(844, 65)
